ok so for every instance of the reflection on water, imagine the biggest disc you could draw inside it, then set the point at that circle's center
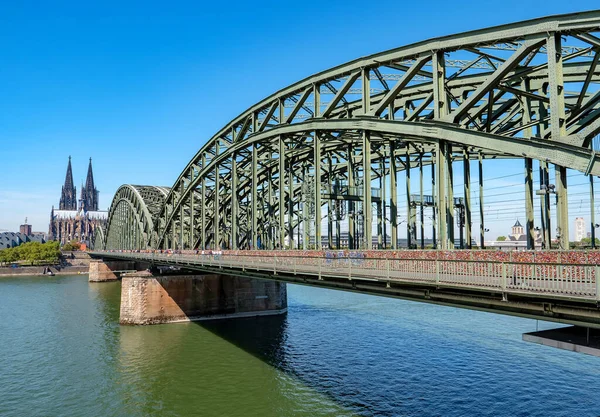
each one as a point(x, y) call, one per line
point(62, 352)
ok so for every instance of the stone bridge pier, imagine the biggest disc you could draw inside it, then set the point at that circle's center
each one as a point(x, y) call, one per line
point(148, 298)
point(104, 270)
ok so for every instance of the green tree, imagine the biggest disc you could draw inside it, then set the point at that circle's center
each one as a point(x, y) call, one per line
point(71, 246)
point(501, 238)
point(32, 252)
point(587, 241)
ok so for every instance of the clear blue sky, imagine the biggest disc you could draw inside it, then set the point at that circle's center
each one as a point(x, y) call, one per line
point(140, 86)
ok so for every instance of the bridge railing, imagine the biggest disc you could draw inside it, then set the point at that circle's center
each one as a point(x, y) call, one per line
point(573, 280)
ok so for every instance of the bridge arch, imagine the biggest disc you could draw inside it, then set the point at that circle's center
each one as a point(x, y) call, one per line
point(132, 215)
point(331, 145)
point(99, 239)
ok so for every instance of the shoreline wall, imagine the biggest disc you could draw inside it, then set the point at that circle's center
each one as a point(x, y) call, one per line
point(38, 270)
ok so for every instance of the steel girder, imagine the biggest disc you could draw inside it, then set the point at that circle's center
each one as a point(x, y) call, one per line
point(526, 90)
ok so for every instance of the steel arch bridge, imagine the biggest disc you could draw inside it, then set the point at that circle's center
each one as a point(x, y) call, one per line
point(330, 147)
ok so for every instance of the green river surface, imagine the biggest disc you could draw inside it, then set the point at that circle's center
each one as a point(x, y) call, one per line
point(63, 353)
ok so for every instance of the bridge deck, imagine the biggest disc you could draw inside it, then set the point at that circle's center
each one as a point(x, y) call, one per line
point(563, 293)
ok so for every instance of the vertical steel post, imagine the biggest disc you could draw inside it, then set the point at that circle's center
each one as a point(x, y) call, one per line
point(381, 204)
point(558, 130)
point(393, 195)
point(366, 90)
point(383, 198)
point(254, 197)
point(330, 207)
point(441, 108)
point(192, 234)
point(562, 206)
point(181, 225)
point(338, 229)
point(442, 202)
point(173, 237)
point(434, 220)
point(481, 218)
point(546, 213)
point(467, 196)
point(317, 100)
point(367, 209)
point(291, 200)
point(217, 237)
point(282, 192)
point(351, 204)
point(203, 207)
point(542, 207)
point(592, 212)
point(409, 209)
point(317, 156)
point(305, 211)
point(234, 203)
point(271, 207)
point(450, 193)
point(529, 227)
point(422, 214)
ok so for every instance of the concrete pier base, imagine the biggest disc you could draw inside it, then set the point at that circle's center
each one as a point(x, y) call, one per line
point(151, 299)
point(102, 271)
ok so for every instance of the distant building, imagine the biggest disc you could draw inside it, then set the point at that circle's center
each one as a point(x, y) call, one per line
point(579, 229)
point(518, 233)
point(25, 229)
point(12, 239)
point(517, 239)
point(73, 222)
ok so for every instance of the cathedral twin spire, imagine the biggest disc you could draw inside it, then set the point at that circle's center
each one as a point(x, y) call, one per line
point(89, 193)
point(68, 198)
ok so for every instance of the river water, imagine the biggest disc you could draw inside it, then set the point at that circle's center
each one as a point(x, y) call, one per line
point(63, 353)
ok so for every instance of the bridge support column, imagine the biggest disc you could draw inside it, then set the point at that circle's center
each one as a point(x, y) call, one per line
point(481, 212)
point(367, 207)
point(442, 200)
point(467, 196)
point(152, 299)
point(409, 208)
point(433, 200)
point(351, 204)
point(421, 214)
point(529, 228)
point(393, 195)
point(103, 271)
point(450, 194)
point(317, 191)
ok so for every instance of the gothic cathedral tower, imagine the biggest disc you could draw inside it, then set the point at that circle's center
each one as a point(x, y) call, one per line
point(69, 222)
point(68, 197)
point(89, 194)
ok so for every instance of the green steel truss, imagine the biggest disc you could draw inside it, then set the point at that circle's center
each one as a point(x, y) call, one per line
point(330, 146)
point(132, 217)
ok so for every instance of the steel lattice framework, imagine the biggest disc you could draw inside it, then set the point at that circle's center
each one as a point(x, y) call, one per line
point(529, 90)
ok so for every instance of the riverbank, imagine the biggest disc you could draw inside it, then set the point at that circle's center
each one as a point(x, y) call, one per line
point(39, 270)
point(71, 263)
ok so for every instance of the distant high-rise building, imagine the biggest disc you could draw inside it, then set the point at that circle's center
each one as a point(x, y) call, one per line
point(25, 229)
point(579, 229)
point(70, 222)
